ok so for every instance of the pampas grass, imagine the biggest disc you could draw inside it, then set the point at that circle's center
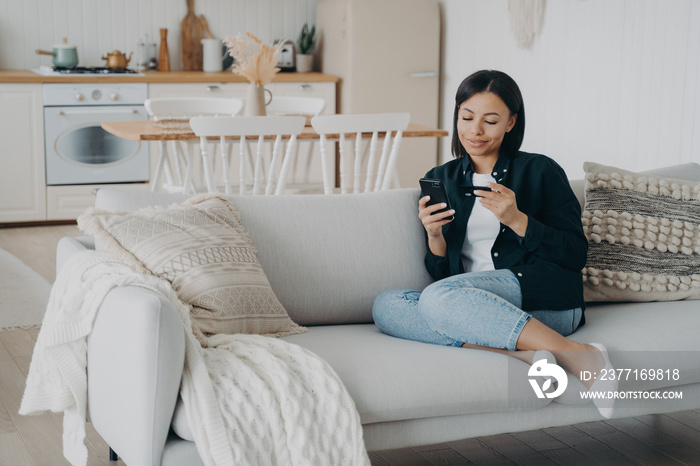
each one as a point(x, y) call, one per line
point(252, 59)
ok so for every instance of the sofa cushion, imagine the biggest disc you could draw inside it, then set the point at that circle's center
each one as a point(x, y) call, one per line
point(644, 236)
point(204, 251)
point(391, 379)
point(326, 257)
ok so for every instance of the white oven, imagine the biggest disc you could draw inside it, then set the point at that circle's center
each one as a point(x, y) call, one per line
point(78, 150)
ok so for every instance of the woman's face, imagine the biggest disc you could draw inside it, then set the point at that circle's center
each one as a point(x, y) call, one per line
point(482, 121)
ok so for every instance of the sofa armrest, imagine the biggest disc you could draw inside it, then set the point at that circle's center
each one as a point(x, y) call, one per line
point(135, 359)
point(67, 246)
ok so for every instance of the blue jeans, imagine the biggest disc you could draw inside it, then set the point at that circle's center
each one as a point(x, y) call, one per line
point(481, 308)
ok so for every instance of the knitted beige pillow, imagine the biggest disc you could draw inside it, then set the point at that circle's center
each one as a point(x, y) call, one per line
point(200, 247)
point(644, 236)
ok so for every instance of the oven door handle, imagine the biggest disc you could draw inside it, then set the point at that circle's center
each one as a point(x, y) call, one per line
point(103, 111)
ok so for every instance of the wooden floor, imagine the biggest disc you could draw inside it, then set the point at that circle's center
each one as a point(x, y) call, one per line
point(671, 439)
point(33, 440)
point(36, 246)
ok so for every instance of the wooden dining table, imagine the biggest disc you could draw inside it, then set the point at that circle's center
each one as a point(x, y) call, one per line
point(148, 130)
point(179, 130)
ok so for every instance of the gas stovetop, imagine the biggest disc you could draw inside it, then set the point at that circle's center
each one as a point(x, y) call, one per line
point(99, 70)
point(90, 70)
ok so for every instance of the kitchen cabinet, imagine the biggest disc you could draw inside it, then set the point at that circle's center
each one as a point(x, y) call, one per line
point(302, 89)
point(22, 187)
point(308, 155)
point(325, 90)
point(165, 90)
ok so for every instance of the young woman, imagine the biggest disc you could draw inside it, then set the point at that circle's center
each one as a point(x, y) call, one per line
point(507, 261)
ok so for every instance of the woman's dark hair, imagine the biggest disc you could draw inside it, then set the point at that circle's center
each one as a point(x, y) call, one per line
point(499, 83)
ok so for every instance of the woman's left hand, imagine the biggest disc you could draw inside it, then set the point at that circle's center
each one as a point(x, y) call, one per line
point(501, 201)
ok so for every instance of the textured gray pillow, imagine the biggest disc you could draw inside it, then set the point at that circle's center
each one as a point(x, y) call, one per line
point(201, 247)
point(644, 236)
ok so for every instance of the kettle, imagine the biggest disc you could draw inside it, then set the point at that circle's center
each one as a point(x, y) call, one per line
point(117, 60)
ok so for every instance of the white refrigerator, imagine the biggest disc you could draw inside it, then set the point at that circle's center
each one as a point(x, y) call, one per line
point(387, 55)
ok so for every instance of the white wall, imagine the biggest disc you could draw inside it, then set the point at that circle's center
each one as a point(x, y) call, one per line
point(611, 81)
point(100, 26)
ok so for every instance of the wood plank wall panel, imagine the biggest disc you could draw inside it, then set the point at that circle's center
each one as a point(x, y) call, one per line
point(611, 81)
point(100, 26)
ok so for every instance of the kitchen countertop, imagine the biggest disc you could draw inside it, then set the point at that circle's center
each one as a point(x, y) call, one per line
point(25, 76)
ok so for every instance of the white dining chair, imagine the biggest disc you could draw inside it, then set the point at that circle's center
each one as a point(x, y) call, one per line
point(262, 128)
point(308, 107)
point(184, 153)
point(377, 168)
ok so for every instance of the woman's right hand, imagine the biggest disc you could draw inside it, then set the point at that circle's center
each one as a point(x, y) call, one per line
point(433, 224)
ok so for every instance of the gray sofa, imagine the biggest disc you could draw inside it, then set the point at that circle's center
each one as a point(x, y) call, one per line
point(327, 257)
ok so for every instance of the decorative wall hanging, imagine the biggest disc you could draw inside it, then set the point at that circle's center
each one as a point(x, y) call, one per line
point(526, 20)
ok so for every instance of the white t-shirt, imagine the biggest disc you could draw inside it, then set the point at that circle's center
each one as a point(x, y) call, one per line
point(482, 230)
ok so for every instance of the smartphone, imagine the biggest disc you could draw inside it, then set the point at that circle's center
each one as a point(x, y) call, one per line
point(469, 190)
point(437, 192)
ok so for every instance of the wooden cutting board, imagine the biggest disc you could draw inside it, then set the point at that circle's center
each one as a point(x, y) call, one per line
point(191, 40)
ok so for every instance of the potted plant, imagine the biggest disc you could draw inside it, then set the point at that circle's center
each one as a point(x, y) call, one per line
point(305, 48)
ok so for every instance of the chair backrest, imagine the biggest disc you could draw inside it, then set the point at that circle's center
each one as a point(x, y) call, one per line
point(186, 107)
point(247, 126)
point(177, 164)
point(307, 150)
point(277, 128)
point(284, 105)
point(379, 172)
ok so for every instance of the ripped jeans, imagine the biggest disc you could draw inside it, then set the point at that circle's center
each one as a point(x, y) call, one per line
point(481, 308)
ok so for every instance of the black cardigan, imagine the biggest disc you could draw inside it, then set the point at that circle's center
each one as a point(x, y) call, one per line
point(549, 259)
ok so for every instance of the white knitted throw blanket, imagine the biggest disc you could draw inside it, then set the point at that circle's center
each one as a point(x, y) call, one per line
point(250, 400)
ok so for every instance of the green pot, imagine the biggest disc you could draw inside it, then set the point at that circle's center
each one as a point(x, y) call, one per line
point(63, 55)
